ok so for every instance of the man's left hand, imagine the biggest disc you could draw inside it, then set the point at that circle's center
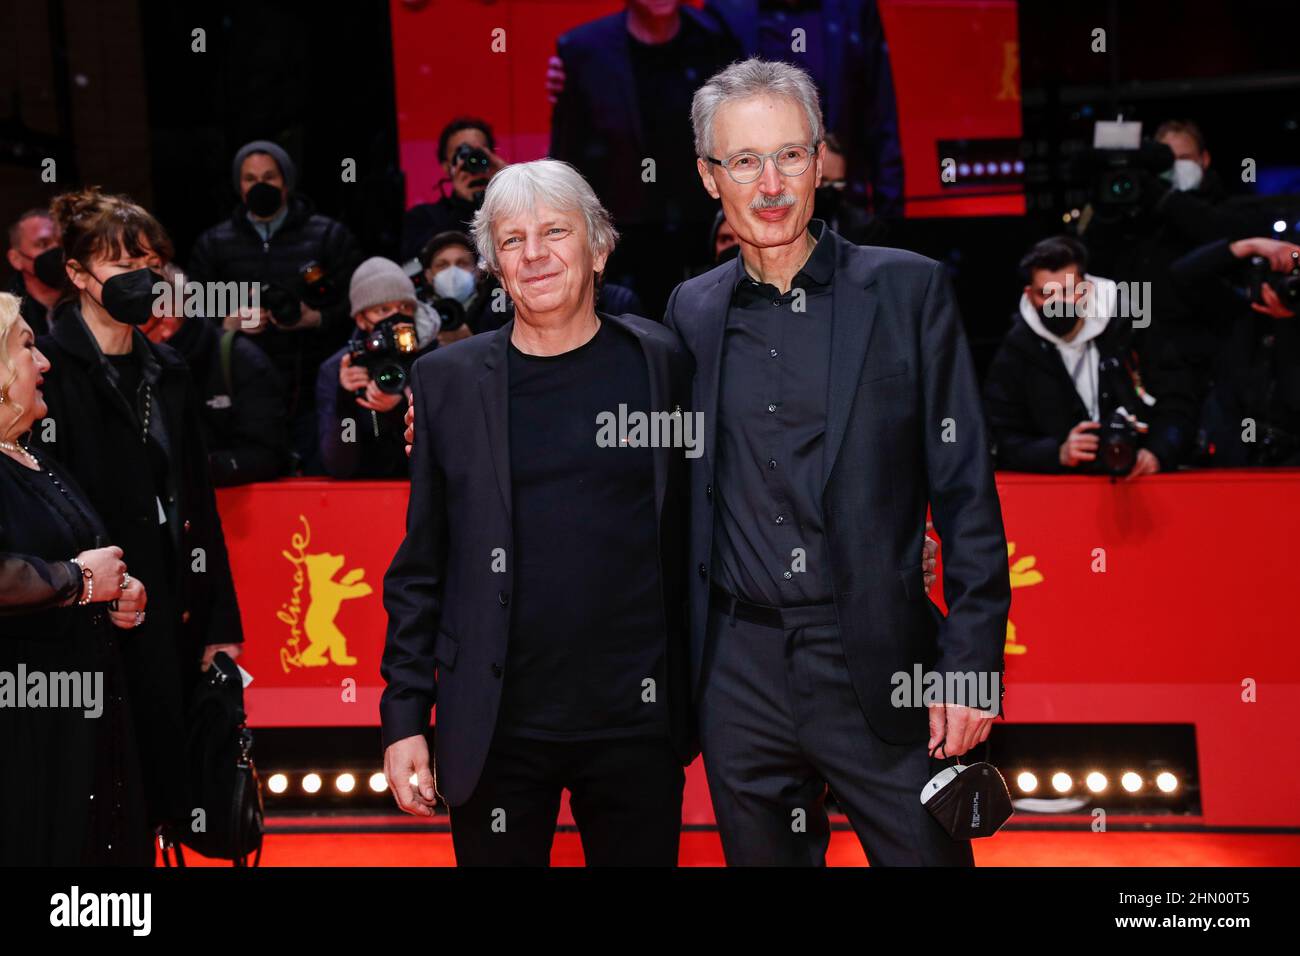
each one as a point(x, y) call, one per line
point(376, 399)
point(1146, 464)
point(959, 728)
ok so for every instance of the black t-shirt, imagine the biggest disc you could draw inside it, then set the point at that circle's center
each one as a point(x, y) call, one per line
point(587, 626)
point(667, 76)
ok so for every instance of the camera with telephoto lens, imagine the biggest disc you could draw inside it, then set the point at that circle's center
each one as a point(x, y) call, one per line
point(475, 160)
point(1286, 284)
point(1119, 438)
point(387, 352)
point(312, 286)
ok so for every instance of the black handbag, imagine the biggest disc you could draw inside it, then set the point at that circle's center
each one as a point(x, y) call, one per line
point(970, 801)
point(222, 775)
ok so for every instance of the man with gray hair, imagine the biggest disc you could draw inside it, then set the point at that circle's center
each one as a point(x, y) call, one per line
point(539, 596)
point(839, 402)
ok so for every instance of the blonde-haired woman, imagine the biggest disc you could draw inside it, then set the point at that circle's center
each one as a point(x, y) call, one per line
point(72, 792)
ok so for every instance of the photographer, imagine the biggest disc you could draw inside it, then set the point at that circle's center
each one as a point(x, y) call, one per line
point(447, 272)
point(1072, 388)
point(302, 262)
point(242, 410)
point(1175, 211)
point(1249, 290)
point(466, 149)
point(361, 390)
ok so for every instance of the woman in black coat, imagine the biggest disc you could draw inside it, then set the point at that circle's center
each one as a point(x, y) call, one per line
point(124, 420)
point(72, 791)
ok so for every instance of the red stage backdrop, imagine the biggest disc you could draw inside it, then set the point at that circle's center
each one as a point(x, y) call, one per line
point(1193, 605)
point(956, 77)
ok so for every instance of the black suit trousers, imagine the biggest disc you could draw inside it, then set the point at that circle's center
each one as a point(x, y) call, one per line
point(626, 797)
point(779, 723)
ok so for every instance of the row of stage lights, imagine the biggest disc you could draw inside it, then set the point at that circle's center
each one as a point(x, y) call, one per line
point(1062, 783)
point(314, 783)
point(1027, 782)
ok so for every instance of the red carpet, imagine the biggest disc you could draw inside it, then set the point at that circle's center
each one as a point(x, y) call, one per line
point(701, 848)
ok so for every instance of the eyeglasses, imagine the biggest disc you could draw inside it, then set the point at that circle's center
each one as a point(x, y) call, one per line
point(791, 160)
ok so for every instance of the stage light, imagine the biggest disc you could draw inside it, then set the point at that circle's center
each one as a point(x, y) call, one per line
point(1004, 168)
point(1279, 226)
point(1018, 166)
point(378, 782)
point(1026, 781)
point(1131, 781)
point(1061, 782)
point(345, 783)
point(979, 169)
point(963, 170)
point(1096, 781)
point(277, 783)
point(311, 783)
point(1166, 782)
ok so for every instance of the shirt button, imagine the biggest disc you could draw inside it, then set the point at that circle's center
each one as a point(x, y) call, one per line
point(772, 352)
point(771, 464)
point(708, 492)
point(503, 598)
point(704, 572)
point(771, 408)
point(780, 519)
point(787, 575)
point(496, 670)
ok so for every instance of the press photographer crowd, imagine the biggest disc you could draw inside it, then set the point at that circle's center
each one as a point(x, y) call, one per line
point(1156, 332)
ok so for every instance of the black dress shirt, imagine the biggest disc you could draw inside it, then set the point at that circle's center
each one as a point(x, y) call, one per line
point(769, 533)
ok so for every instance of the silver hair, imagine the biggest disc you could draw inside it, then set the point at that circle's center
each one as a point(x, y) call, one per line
point(746, 79)
point(523, 186)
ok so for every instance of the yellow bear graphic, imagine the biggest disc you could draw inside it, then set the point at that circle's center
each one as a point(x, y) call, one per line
point(326, 596)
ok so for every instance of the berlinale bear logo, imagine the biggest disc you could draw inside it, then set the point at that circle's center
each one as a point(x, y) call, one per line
point(325, 595)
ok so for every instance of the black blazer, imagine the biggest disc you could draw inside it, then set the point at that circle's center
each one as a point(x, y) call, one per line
point(448, 612)
point(899, 369)
point(89, 412)
point(596, 123)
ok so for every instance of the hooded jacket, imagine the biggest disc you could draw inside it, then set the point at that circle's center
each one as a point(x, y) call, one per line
point(1039, 387)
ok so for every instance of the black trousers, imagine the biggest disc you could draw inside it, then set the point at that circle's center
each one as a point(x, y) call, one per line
point(779, 722)
point(626, 797)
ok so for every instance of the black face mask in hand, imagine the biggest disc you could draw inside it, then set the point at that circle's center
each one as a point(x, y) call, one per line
point(129, 296)
point(263, 200)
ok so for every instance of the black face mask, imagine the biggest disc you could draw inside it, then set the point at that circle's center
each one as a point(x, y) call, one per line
point(263, 200)
point(1060, 324)
point(48, 267)
point(128, 297)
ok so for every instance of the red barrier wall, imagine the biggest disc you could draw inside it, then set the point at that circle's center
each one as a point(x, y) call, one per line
point(1194, 605)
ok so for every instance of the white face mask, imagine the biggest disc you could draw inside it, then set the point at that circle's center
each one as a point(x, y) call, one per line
point(1185, 175)
point(454, 282)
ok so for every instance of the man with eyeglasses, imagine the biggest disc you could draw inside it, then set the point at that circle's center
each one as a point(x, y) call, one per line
point(839, 402)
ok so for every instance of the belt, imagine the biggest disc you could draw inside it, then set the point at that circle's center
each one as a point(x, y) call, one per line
point(784, 618)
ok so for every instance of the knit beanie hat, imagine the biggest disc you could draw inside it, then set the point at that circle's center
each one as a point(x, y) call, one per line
point(287, 169)
point(379, 280)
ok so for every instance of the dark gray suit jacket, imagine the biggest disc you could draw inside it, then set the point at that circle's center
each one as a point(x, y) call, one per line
point(901, 381)
point(448, 611)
